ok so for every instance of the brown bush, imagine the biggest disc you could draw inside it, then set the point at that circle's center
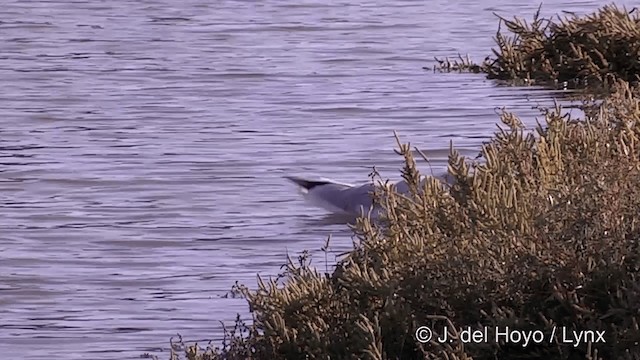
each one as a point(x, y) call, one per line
point(591, 50)
point(542, 233)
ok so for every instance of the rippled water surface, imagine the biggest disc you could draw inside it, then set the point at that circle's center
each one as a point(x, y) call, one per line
point(143, 144)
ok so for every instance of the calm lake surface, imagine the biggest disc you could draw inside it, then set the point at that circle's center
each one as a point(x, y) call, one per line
point(143, 144)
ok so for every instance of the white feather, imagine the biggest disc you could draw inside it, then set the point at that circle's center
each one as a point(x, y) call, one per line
point(344, 198)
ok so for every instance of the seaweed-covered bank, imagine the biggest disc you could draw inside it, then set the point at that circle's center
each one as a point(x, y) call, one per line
point(541, 237)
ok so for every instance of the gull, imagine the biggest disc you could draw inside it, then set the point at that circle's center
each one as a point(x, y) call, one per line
point(347, 199)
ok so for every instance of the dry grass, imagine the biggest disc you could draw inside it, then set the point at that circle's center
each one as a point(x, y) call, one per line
point(578, 51)
point(542, 233)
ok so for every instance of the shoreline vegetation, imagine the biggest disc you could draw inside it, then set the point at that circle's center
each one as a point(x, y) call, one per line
point(592, 51)
point(542, 235)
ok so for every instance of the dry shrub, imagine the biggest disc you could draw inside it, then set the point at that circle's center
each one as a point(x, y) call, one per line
point(578, 50)
point(543, 232)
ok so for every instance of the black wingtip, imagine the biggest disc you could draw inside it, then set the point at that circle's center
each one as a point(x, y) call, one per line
point(306, 184)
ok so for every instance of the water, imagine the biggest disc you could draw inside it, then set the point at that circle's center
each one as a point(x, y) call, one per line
point(143, 143)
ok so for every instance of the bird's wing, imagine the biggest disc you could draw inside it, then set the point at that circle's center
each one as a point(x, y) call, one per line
point(334, 196)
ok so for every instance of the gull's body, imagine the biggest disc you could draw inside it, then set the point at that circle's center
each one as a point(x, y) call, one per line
point(342, 198)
